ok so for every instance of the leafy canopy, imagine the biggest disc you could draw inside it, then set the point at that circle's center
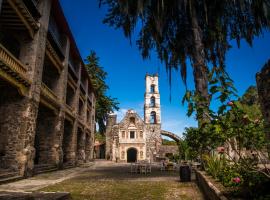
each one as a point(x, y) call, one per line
point(104, 103)
point(168, 27)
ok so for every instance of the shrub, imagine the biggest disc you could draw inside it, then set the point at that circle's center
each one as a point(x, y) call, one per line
point(230, 177)
point(214, 165)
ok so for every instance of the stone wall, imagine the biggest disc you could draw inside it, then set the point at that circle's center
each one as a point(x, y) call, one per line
point(168, 149)
point(36, 126)
point(263, 85)
point(11, 126)
point(45, 136)
point(111, 121)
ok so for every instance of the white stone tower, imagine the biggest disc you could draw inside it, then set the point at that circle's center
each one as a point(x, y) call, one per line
point(152, 117)
point(152, 100)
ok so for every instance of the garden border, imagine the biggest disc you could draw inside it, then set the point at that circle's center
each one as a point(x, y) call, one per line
point(209, 190)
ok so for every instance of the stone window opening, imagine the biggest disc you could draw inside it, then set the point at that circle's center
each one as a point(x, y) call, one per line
point(132, 134)
point(10, 43)
point(152, 102)
point(132, 120)
point(67, 141)
point(70, 96)
point(153, 117)
point(123, 134)
point(88, 115)
point(152, 88)
point(51, 76)
point(80, 107)
point(44, 137)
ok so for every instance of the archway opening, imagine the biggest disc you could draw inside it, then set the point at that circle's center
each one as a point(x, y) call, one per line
point(67, 143)
point(11, 107)
point(153, 117)
point(132, 155)
point(152, 102)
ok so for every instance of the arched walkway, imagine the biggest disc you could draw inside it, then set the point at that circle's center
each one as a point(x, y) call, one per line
point(132, 155)
point(171, 135)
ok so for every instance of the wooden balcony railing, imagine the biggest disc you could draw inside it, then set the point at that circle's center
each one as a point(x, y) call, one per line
point(70, 110)
point(71, 82)
point(32, 8)
point(55, 35)
point(83, 89)
point(12, 66)
point(53, 56)
point(23, 16)
point(81, 118)
point(49, 94)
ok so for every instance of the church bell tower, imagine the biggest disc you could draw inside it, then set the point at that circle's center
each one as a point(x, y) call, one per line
point(152, 117)
point(152, 100)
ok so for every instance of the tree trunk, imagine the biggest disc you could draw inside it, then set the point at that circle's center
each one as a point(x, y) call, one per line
point(199, 69)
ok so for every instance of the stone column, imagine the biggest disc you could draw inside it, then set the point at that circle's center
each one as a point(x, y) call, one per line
point(75, 128)
point(93, 123)
point(73, 153)
point(59, 129)
point(32, 55)
point(263, 85)
point(111, 121)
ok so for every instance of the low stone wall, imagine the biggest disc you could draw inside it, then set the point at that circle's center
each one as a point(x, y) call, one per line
point(168, 149)
point(210, 191)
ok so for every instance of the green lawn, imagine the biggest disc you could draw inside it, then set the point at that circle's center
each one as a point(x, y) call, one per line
point(126, 190)
point(116, 183)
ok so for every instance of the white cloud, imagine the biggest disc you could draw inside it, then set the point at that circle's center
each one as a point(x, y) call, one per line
point(120, 113)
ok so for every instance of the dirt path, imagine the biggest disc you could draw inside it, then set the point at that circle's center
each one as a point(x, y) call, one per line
point(42, 180)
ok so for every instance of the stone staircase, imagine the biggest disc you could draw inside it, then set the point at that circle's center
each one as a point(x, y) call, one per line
point(7, 175)
point(44, 168)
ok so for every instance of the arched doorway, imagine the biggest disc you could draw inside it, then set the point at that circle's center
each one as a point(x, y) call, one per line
point(131, 155)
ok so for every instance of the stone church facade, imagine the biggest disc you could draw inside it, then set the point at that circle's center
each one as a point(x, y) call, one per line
point(134, 139)
point(47, 102)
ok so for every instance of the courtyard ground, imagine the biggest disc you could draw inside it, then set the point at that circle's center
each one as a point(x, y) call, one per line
point(107, 180)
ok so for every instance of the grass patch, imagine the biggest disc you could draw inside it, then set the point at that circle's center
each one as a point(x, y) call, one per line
point(128, 190)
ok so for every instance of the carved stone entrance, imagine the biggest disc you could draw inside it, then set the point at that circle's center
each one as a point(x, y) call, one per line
point(132, 155)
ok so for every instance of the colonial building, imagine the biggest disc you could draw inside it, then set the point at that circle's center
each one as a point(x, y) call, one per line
point(47, 102)
point(134, 139)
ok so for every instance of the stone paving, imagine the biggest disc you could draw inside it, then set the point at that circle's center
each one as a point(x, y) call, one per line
point(107, 180)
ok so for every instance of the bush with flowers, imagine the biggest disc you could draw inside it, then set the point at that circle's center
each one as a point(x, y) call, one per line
point(240, 127)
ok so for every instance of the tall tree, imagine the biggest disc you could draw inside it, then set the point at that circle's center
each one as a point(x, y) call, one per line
point(199, 30)
point(104, 103)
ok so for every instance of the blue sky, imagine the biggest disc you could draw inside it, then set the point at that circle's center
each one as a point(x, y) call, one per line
point(126, 68)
